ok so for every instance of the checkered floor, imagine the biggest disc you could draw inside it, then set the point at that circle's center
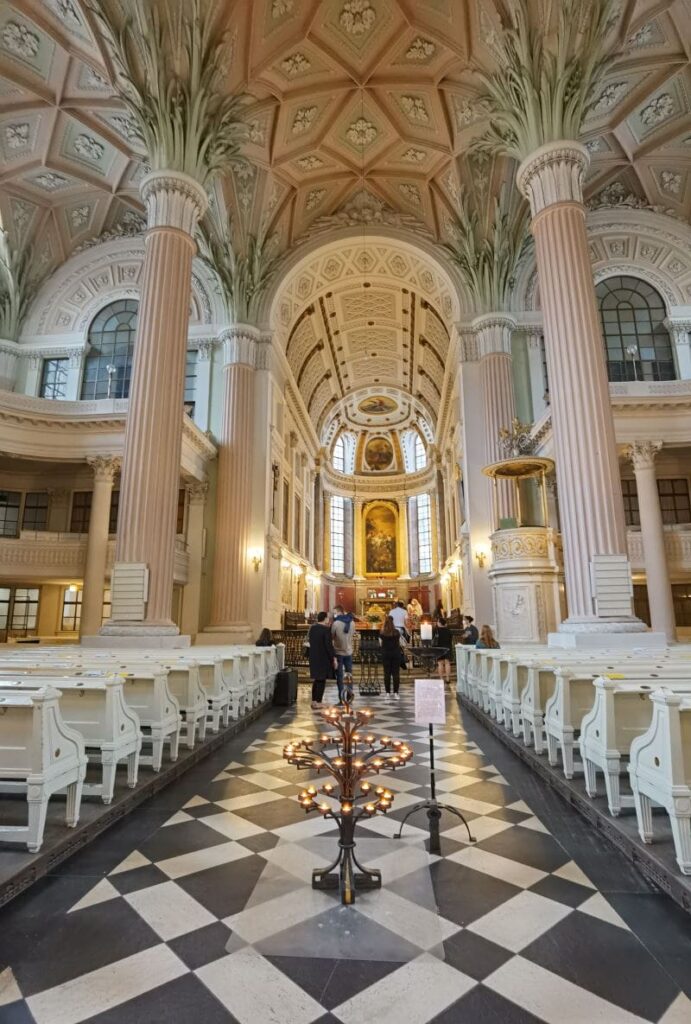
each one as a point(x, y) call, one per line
point(199, 908)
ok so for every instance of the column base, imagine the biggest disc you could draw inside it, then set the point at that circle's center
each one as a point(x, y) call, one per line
point(608, 636)
point(232, 633)
point(137, 641)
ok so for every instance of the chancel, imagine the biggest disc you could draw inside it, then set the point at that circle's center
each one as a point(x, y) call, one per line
point(345, 347)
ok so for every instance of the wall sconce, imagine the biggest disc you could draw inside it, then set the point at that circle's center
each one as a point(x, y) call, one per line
point(481, 555)
point(256, 557)
point(297, 571)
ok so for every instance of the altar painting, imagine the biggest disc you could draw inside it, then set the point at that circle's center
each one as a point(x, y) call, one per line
point(380, 540)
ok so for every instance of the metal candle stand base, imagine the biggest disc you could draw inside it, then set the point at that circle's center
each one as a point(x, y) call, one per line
point(433, 807)
point(357, 754)
point(341, 874)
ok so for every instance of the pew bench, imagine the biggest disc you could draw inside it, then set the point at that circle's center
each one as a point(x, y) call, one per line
point(39, 755)
point(621, 711)
point(96, 709)
point(660, 771)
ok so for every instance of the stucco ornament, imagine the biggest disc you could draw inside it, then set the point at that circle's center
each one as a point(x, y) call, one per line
point(88, 146)
point(357, 17)
point(361, 132)
point(658, 110)
point(18, 39)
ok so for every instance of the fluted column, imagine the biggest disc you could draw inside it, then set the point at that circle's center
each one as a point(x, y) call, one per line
point(191, 595)
point(538, 385)
point(592, 511)
point(105, 469)
point(643, 455)
point(230, 594)
point(404, 539)
point(493, 339)
point(153, 438)
point(680, 333)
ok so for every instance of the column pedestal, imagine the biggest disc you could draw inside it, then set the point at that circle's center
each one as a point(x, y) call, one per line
point(592, 510)
point(145, 551)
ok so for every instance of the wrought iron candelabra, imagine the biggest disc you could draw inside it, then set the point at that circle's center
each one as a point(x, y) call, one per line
point(348, 754)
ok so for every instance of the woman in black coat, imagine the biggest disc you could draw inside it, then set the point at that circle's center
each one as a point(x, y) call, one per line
point(322, 657)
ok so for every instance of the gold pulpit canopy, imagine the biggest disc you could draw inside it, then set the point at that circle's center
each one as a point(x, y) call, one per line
point(529, 474)
point(520, 467)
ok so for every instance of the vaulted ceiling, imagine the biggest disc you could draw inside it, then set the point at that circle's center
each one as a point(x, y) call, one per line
point(363, 112)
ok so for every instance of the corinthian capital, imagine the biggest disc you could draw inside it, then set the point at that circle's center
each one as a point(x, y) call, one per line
point(105, 467)
point(173, 200)
point(241, 344)
point(643, 453)
point(493, 334)
point(553, 174)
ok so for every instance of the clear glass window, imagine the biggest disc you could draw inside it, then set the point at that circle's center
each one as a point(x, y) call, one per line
point(10, 502)
point(190, 381)
point(637, 343)
point(71, 610)
point(424, 532)
point(81, 511)
point(338, 457)
point(54, 378)
point(35, 515)
point(337, 534)
point(108, 366)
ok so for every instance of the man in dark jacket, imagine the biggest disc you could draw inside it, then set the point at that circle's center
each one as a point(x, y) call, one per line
point(322, 657)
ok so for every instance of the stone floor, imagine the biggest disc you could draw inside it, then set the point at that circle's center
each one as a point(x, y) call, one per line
point(198, 907)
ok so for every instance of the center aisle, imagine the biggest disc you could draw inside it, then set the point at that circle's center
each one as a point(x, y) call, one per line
point(169, 917)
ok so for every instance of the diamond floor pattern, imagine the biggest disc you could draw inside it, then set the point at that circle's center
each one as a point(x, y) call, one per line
point(199, 907)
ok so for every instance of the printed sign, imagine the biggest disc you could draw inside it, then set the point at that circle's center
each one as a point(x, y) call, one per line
point(430, 706)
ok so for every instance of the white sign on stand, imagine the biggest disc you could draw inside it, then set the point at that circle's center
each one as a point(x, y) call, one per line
point(430, 705)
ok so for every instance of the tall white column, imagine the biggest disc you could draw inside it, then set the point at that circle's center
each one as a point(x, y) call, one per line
point(479, 523)
point(153, 438)
point(105, 468)
point(230, 596)
point(202, 396)
point(643, 455)
point(493, 339)
point(359, 566)
point(537, 373)
point(74, 375)
point(9, 365)
point(680, 332)
point(192, 592)
point(404, 541)
point(592, 510)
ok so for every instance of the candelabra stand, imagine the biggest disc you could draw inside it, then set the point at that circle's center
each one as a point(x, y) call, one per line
point(348, 754)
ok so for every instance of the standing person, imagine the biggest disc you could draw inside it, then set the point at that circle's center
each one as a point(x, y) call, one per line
point(342, 635)
point(439, 612)
point(401, 620)
point(265, 639)
point(487, 639)
point(442, 638)
point(322, 657)
point(470, 635)
point(390, 640)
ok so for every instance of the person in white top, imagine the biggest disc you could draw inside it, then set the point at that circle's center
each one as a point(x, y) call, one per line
point(401, 619)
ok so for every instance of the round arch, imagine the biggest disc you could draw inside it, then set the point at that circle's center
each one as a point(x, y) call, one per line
point(318, 263)
point(72, 296)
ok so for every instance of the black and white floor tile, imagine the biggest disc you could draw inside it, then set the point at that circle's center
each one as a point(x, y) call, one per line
point(198, 908)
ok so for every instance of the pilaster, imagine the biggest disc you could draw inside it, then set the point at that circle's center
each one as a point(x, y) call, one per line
point(105, 468)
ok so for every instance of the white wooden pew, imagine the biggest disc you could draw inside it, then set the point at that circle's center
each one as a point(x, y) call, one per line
point(146, 692)
point(621, 711)
point(39, 754)
point(660, 771)
point(96, 709)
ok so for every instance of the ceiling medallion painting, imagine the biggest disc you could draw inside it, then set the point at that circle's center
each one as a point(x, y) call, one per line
point(378, 405)
point(378, 454)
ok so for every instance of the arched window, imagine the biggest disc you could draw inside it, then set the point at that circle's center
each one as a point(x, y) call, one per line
point(108, 366)
point(337, 534)
point(424, 532)
point(420, 454)
point(637, 342)
point(338, 456)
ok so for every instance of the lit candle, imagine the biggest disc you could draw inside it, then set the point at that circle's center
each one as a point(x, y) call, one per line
point(346, 808)
point(370, 808)
point(324, 808)
point(365, 787)
point(328, 788)
point(425, 630)
point(312, 790)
